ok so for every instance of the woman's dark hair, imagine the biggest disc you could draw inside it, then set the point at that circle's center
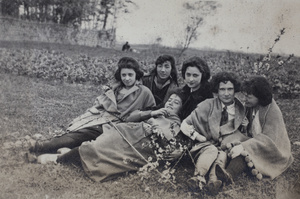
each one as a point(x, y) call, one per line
point(260, 87)
point(225, 77)
point(162, 59)
point(128, 62)
point(177, 92)
point(200, 64)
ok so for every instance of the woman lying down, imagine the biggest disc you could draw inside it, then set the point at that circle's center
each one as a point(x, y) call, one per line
point(124, 147)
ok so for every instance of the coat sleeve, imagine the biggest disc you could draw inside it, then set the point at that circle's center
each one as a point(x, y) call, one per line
point(138, 116)
point(199, 118)
point(149, 100)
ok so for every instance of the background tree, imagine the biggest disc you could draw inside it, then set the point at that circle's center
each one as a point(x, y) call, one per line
point(197, 12)
point(10, 8)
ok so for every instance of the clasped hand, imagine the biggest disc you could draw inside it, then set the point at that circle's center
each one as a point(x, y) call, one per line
point(160, 112)
point(236, 151)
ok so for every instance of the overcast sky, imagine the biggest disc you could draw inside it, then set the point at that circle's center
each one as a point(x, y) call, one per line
point(246, 25)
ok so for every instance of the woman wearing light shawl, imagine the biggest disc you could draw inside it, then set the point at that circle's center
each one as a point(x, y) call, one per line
point(267, 152)
point(114, 104)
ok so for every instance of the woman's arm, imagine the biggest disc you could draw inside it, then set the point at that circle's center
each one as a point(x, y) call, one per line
point(190, 131)
point(138, 116)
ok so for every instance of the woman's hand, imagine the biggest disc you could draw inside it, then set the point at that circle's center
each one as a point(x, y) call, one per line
point(245, 122)
point(200, 138)
point(190, 131)
point(236, 151)
point(174, 155)
point(160, 112)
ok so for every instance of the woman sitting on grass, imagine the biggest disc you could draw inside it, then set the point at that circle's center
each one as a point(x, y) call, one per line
point(125, 147)
point(267, 152)
point(113, 105)
point(196, 74)
point(162, 79)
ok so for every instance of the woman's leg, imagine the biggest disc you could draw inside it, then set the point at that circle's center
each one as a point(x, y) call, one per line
point(235, 168)
point(69, 140)
point(207, 156)
point(71, 157)
point(214, 184)
point(205, 160)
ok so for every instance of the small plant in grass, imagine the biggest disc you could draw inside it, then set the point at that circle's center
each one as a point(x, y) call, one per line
point(159, 167)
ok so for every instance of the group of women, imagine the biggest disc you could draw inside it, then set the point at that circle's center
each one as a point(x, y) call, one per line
point(114, 135)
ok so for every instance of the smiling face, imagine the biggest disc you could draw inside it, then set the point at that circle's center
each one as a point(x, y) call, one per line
point(226, 92)
point(193, 77)
point(128, 77)
point(174, 104)
point(164, 70)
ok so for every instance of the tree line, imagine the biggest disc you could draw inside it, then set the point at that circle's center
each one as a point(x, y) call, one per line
point(94, 14)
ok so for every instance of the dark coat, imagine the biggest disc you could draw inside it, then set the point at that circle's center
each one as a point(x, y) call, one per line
point(148, 81)
point(192, 99)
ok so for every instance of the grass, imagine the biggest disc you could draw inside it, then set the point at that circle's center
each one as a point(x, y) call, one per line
point(32, 106)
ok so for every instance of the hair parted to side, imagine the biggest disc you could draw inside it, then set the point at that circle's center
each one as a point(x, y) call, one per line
point(260, 87)
point(225, 77)
point(162, 59)
point(200, 64)
point(128, 62)
point(177, 92)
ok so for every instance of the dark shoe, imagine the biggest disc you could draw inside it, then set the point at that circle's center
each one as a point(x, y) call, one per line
point(30, 158)
point(223, 175)
point(196, 183)
point(193, 184)
point(214, 187)
point(36, 147)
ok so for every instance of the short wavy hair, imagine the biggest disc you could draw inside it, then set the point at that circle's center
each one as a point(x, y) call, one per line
point(128, 62)
point(225, 77)
point(260, 87)
point(162, 59)
point(200, 64)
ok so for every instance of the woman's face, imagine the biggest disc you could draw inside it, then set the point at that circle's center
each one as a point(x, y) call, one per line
point(250, 100)
point(226, 92)
point(128, 77)
point(193, 77)
point(174, 104)
point(164, 70)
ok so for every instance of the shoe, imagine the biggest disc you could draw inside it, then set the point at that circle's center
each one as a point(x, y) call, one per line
point(47, 158)
point(223, 175)
point(35, 147)
point(193, 184)
point(64, 150)
point(30, 158)
point(214, 187)
point(196, 183)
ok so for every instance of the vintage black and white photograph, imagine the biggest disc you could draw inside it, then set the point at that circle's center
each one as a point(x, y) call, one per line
point(130, 99)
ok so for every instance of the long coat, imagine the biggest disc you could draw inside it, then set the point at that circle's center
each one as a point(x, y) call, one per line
point(269, 148)
point(110, 154)
point(107, 108)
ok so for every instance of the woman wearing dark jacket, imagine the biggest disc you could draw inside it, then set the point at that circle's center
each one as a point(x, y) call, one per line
point(162, 79)
point(195, 73)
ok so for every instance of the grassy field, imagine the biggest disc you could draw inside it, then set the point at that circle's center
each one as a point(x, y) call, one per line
point(31, 106)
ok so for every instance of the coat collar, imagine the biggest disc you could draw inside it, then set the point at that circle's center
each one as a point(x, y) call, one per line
point(215, 117)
